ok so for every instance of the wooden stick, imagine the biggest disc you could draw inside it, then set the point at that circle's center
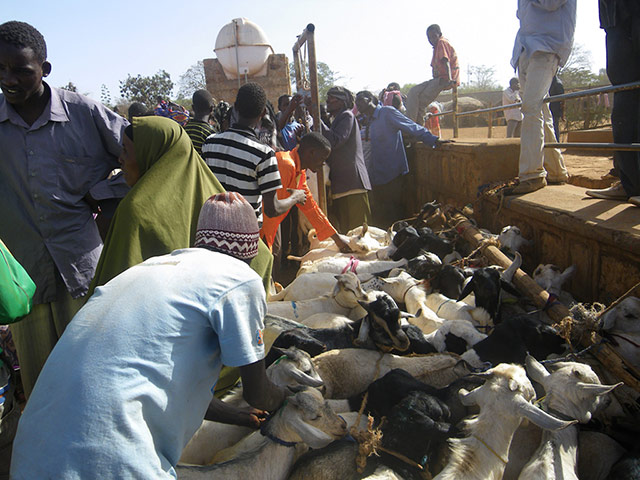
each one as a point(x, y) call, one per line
point(608, 357)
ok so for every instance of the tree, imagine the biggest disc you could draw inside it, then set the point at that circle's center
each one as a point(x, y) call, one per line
point(146, 90)
point(327, 78)
point(70, 87)
point(481, 79)
point(105, 95)
point(576, 72)
point(191, 80)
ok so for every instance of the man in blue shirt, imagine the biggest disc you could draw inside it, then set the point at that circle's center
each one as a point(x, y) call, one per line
point(58, 148)
point(388, 163)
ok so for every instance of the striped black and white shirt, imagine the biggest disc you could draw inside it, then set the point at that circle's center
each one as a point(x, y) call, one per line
point(242, 164)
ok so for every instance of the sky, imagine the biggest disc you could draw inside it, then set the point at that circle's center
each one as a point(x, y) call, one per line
point(369, 43)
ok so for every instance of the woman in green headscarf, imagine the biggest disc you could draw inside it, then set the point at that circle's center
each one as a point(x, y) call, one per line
point(169, 184)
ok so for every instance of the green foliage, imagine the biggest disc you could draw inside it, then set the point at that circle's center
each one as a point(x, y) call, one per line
point(146, 89)
point(105, 95)
point(406, 87)
point(191, 80)
point(327, 78)
point(70, 87)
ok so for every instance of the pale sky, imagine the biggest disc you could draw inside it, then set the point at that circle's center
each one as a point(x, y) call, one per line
point(369, 42)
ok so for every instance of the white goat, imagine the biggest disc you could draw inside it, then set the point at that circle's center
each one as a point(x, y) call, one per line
point(504, 400)
point(622, 323)
point(449, 309)
point(293, 369)
point(350, 371)
point(306, 287)
point(511, 239)
point(551, 278)
point(339, 264)
point(573, 391)
point(343, 301)
point(459, 328)
point(303, 420)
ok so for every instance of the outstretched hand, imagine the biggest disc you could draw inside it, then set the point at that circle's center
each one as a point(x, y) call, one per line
point(440, 141)
point(342, 243)
point(298, 195)
point(250, 417)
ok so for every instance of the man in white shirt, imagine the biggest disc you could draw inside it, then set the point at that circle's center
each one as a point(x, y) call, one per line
point(513, 116)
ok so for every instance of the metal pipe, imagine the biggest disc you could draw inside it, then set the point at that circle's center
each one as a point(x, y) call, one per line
point(235, 34)
point(454, 93)
point(555, 98)
point(620, 147)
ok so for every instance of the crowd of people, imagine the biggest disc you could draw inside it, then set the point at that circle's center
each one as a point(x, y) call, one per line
point(155, 234)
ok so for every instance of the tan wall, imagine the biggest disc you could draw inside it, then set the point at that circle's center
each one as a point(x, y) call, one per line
point(275, 82)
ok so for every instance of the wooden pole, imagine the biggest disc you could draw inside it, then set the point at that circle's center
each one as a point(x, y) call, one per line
point(454, 98)
point(608, 357)
point(490, 133)
point(315, 108)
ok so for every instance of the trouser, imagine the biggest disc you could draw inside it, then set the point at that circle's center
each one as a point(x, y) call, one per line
point(36, 334)
point(623, 66)
point(420, 96)
point(350, 211)
point(513, 128)
point(387, 205)
point(535, 75)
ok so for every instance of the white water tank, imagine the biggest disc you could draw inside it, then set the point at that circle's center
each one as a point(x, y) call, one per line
point(253, 49)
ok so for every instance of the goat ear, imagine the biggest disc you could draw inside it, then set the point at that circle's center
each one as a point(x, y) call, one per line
point(365, 228)
point(539, 417)
point(536, 370)
point(513, 385)
point(596, 389)
point(568, 273)
point(468, 288)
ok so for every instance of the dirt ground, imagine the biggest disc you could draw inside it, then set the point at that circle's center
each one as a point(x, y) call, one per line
point(585, 169)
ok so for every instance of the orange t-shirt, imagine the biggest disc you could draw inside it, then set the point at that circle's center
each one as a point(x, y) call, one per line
point(292, 176)
point(443, 49)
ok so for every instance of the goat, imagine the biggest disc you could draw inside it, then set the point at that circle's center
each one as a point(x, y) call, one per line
point(424, 266)
point(425, 240)
point(306, 287)
point(448, 281)
point(551, 278)
point(343, 301)
point(504, 400)
point(455, 336)
point(512, 339)
point(450, 309)
point(304, 419)
point(350, 371)
point(511, 239)
point(294, 368)
point(621, 324)
point(382, 325)
point(360, 239)
point(487, 284)
point(573, 391)
point(339, 265)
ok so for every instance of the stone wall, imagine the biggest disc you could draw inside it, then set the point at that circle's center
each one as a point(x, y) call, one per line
point(275, 83)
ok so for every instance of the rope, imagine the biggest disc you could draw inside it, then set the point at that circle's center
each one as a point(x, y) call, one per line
point(489, 448)
point(617, 302)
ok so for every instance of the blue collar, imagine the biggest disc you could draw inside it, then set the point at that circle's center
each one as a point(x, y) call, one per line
point(275, 439)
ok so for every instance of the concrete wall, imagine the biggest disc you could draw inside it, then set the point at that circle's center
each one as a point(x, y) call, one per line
point(275, 83)
point(602, 238)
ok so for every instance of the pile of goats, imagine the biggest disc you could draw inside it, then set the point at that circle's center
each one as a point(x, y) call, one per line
point(411, 357)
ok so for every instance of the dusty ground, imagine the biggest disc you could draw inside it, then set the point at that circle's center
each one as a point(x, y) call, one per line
point(585, 169)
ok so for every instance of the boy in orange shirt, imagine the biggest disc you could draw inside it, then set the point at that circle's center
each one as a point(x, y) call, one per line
point(312, 152)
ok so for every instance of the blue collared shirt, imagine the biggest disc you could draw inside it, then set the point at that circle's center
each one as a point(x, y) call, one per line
point(46, 170)
point(545, 26)
point(388, 158)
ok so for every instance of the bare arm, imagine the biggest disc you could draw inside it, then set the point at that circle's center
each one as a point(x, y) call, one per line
point(218, 411)
point(274, 206)
point(258, 390)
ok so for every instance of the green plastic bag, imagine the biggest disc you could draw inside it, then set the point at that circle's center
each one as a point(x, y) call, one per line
point(16, 288)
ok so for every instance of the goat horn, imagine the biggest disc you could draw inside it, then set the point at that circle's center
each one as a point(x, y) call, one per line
point(305, 379)
point(597, 389)
point(539, 417)
point(507, 275)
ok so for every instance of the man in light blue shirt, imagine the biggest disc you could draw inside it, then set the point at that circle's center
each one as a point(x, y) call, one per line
point(383, 127)
point(57, 146)
point(130, 380)
point(542, 44)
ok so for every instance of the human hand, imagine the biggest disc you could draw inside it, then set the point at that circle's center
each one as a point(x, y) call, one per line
point(250, 417)
point(299, 196)
point(440, 141)
point(299, 130)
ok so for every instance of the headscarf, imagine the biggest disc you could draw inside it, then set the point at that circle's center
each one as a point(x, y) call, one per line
point(160, 212)
point(343, 94)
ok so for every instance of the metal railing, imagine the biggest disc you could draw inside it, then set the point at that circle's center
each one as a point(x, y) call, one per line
point(555, 98)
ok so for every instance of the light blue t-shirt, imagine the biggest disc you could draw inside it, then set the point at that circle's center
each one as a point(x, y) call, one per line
point(130, 379)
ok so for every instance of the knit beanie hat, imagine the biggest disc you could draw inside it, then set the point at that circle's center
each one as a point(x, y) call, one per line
point(228, 224)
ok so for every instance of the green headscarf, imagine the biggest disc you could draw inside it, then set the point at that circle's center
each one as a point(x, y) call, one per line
point(160, 213)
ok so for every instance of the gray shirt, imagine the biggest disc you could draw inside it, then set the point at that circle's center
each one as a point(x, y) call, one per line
point(545, 26)
point(46, 170)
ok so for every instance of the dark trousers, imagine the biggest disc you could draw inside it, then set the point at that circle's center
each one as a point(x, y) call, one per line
point(623, 66)
point(387, 202)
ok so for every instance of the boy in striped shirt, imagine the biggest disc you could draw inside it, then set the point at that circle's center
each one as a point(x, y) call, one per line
point(242, 164)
